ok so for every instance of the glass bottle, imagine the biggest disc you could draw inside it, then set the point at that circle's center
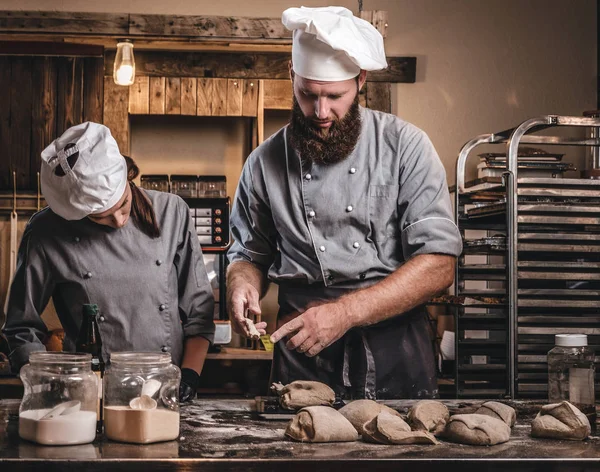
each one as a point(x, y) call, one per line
point(89, 341)
point(571, 374)
point(60, 399)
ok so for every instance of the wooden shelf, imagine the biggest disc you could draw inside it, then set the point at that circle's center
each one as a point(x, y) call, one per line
point(232, 353)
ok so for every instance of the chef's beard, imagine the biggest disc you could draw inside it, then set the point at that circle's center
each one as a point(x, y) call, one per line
point(324, 146)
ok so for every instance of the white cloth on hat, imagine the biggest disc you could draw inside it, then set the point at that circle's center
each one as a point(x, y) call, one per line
point(97, 180)
point(331, 44)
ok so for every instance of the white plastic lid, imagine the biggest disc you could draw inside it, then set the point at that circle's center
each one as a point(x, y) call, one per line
point(571, 340)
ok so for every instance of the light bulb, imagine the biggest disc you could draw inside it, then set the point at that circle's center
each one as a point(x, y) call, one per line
point(124, 67)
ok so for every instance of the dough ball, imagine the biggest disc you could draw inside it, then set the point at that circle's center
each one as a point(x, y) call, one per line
point(428, 415)
point(360, 412)
point(320, 424)
point(387, 428)
point(303, 393)
point(477, 430)
point(499, 411)
point(561, 421)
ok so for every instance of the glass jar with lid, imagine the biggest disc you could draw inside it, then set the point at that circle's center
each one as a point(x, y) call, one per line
point(60, 399)
point(571, 374)
point(141, 397)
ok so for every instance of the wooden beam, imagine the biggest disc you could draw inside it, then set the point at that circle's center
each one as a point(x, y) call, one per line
point(139, 95)
point(250, 97)
point(277, 94)
point(49, 48)
point(188, 96)
point(173, 96)
point(378, 18)
point(63, 22)
point(242, 66)
point(116, 117)
point(234, 97)
point(208, 27)
point(157, 95)
point(379, 96)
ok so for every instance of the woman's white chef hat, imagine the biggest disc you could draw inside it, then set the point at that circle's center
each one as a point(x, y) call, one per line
point(97, 180)
point(331, 44)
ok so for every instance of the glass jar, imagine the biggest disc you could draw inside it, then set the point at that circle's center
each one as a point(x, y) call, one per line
point(571, 374)
point(60, 399)
point(141, 397)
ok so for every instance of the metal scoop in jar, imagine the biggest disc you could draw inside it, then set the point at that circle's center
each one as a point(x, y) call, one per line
point(63, 409)
point(145, 400)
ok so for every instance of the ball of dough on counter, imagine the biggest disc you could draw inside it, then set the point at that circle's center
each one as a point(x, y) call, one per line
point(359, 412)
point(386, 428)
point(561, 421)
point(320, 424)
point(428, 415)
point(303, 393)
point(477, 430)
point(499, 411)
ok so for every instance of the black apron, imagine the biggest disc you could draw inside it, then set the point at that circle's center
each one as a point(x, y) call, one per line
point(392, 359)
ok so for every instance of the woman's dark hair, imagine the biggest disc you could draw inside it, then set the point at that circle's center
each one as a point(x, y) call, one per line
point(142, 211)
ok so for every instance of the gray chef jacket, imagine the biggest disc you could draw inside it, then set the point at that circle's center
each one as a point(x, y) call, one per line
point(151, 292)
point(320, 230)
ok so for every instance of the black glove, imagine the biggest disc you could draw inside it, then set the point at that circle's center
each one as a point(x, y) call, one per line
point(190, 380)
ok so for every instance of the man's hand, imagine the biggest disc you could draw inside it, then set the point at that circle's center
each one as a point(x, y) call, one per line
point(315, 329)
point(244, 299)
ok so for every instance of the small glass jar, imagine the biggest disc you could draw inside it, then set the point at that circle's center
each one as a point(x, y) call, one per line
point(60, 399)
point(141, 397)
point(571, 374)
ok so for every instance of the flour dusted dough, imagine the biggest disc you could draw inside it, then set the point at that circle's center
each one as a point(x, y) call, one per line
point(320, 424)
point(478, 430)
point(428, 415)
point(254, 334)
point(360, 412)
point(387, 428)
point(303, 393)
point(560, 421)
point(499, 411)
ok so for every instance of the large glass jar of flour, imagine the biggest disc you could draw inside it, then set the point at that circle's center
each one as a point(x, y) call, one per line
point(141, 397)
point(571, 374)
point(60, 399)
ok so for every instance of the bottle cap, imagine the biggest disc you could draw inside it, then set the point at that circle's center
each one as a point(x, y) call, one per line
point(571, 340)
point(90, 309)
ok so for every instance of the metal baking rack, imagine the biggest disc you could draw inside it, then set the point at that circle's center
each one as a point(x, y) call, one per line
point(532, 252)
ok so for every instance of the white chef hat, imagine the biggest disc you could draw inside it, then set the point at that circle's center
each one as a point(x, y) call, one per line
point(97, 180)
point(331, 44)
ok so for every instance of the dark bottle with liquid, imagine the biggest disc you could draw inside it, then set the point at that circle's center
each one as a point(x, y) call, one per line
point(89, 340)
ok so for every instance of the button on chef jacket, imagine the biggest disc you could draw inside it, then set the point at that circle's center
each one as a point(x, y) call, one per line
point(347, 224)
point(151, 293)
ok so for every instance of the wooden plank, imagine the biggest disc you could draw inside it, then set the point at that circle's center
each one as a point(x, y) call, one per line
point(278, 94)
point(157, 95)
point(43, 110)
point(219, 99)
point(18, 21)
point(20, 121)
point(139, 95)
point(208, 27)
point(116, 118)
point(260, 116)
point(93, 89)
point(242, 65)
point(173, 96)
point(5, 73)
point(70, 93)
point(249, 97)
point(188, 96)
point(48, 48)
point(234, 97)
point(378, 18)
point(379, 97)
point(205, 94)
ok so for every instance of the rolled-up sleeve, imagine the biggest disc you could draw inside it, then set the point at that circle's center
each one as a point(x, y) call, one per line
point(31, 289)
point(252, 227)
point(427, 223)
point(196, 300)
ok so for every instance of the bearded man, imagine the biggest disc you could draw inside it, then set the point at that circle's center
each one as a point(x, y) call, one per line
point(347, 210)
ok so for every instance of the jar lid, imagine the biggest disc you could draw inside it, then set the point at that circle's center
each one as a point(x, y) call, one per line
point(571, 340)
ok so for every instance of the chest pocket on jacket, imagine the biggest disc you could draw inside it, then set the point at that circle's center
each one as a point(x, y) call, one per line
point(383, 209)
